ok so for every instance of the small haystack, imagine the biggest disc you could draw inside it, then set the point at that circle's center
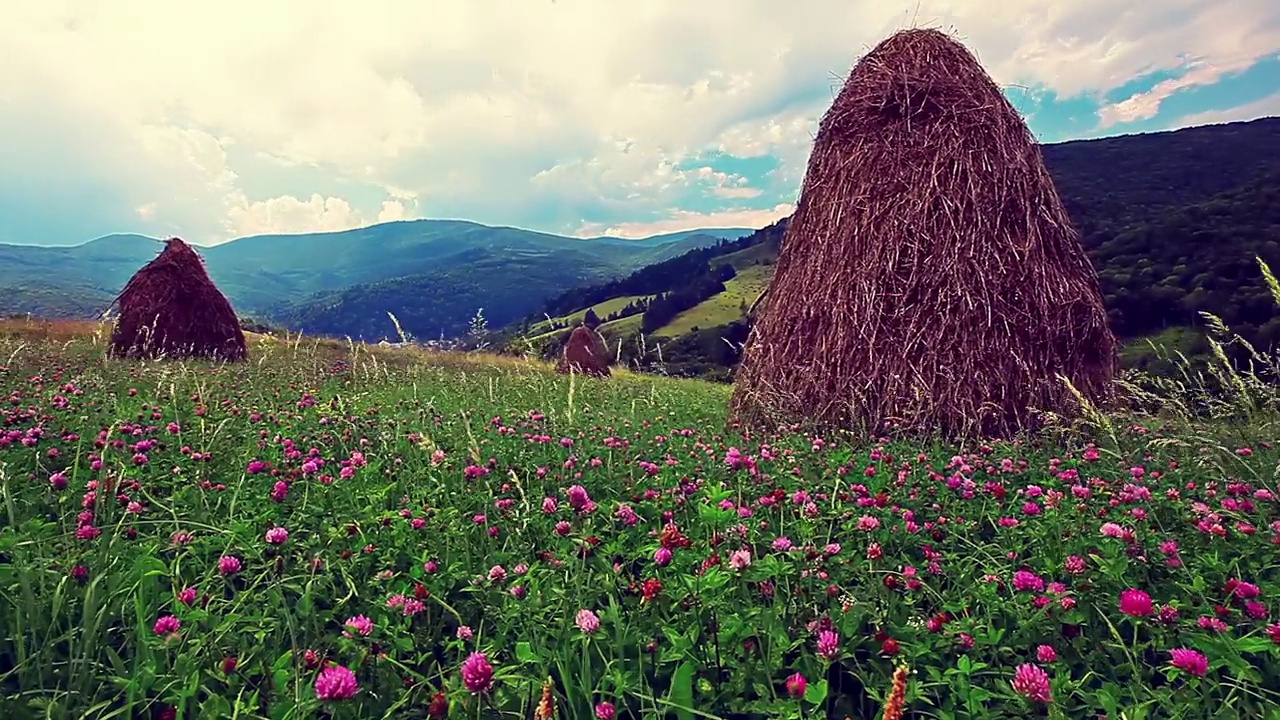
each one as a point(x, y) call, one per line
point(585, 353)
point(930, 279)
point(171, 308)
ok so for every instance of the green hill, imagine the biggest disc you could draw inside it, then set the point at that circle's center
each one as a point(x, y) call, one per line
point(604, 310)
point(723, 307)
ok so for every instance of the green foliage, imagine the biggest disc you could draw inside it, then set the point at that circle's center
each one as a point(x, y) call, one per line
point(1165, 270)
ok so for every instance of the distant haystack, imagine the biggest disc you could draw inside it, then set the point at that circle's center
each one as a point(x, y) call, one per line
point(930, 279)
point(585, 353)
point(171, 308)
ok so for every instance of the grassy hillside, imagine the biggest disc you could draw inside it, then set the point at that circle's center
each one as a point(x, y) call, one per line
point(723, 307)
point(602, 310)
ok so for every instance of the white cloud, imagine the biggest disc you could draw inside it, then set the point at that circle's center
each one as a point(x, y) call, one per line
point(1268, 106)
point(535, 113)
point(288, 214)
point(680, 220)
point(1145, 105)
point(392, 210)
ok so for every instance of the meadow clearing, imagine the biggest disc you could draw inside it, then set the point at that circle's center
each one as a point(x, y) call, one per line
point(335, 531)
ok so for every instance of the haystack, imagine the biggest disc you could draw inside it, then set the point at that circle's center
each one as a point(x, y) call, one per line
point(171, 308)
point(930, 280)
point(585, 353)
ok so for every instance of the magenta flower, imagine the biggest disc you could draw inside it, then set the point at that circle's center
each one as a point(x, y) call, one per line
point(1135, 603)
point(277, 536)
point(1046, 654)
point(828, 645)
point(1026, 581)
point(662, 556)
point(605, 710)
point(336, 683)
point(1032, 682)
point(229, 565)
point(1189, 661)
point(359, 624)
point(167, 625)
point(1255, 610)
point(477, 673)
point(1211, 623)
point(587, 621)
point(797, 685)
point(1241, 589)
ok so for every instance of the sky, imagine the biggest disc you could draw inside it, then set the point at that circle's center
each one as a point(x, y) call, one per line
point(218, 120)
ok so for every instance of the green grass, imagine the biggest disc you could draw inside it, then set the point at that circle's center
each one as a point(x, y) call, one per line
point(721, 308)
point(1185, 340)
point(622, 327)
point(425, 516)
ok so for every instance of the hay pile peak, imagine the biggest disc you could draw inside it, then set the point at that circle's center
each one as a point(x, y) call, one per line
point(930, 280)
point(170, 308)
point(585, 354)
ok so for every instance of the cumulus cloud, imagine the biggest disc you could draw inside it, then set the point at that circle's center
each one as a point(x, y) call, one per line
point(391, 211)
point(558, 115)
point(288, 214)
point(1145, 105)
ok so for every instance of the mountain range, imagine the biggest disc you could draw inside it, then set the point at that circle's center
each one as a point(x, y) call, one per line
point(434, 274)
point(1172, 221)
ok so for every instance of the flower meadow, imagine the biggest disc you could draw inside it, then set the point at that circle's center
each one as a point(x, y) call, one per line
point(322, 532)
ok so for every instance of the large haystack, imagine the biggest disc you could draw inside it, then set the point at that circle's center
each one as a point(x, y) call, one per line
point(171, 308)
point(585, 353)
point(929, 280)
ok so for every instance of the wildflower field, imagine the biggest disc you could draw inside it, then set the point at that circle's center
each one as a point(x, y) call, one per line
point(328, 532)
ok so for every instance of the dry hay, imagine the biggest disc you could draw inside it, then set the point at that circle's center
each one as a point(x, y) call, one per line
point(171, 308)
point(930, 280)
point(584, 353)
